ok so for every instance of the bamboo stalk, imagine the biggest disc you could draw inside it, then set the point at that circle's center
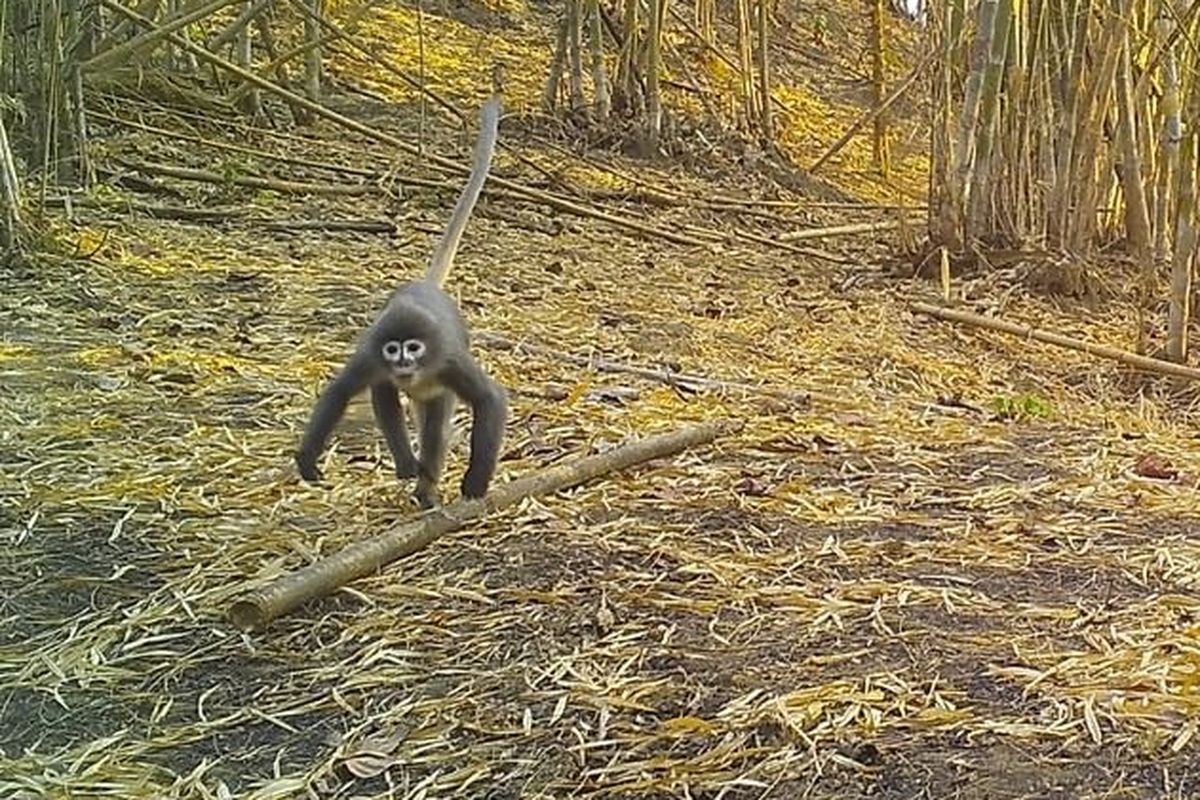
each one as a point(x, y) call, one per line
point(845, 230)
point(978, 195)
point(879, 140)
point(252, 101)
point(658, 10)
point(627, 83)
point(745, 37)
point(1172, 134)
point(1155, 365)
point(557, 63)
point(256, 610)
point(10, 193)
point(495, 181)
point(1179, 311)
point(766, 121)
point(1137, 214)
point(575, 55)
point(243, 20)
point(312, 55)
point(599, 76)
point(157, 33)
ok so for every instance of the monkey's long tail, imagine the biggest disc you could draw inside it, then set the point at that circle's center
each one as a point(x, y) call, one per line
point(485, 145)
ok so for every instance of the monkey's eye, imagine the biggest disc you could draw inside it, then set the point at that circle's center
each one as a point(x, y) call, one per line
point(414, 348)
point(391, 351)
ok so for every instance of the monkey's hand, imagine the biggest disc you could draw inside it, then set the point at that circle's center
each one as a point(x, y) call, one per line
point(474, 485)
point(307, 465)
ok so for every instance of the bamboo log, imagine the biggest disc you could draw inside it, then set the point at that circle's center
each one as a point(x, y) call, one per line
point(1147, 363)
point(257, 609)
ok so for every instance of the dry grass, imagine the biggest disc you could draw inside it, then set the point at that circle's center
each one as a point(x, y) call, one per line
point(884, 597)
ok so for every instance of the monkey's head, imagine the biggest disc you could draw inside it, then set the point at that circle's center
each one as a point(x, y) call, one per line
point(407, 344)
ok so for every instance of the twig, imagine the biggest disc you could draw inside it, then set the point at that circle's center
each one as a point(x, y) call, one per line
point(989, 323)
point(256, 610)
point(680, 379)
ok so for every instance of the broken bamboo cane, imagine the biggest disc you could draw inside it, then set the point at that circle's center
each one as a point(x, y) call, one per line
point(257, 609)
point(1156, 365)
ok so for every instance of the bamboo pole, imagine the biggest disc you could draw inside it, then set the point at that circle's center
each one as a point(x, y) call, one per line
point(1156, 365)
point(260, 607)
point(599, 76)
point(653, 67)
point(766, 123)
point(113, 57)
point(575, 55)
point(846, 230)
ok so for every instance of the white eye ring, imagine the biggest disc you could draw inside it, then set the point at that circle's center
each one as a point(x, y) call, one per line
point(414, 348)
point(392, 351)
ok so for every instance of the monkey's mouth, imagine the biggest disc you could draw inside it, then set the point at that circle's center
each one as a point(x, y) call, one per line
point(404, 374)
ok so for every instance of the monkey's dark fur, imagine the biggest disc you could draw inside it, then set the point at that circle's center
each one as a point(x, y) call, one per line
point(419, 345)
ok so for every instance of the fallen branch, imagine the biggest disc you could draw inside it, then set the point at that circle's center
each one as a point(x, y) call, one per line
point(257, 610)
point(989, 323)
point(681, 380)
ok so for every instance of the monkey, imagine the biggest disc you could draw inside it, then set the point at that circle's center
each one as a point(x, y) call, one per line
point(419, 345)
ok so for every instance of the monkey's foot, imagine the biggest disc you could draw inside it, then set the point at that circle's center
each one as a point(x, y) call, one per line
point(427, 499)
point(308, 469)
point(410, 468)
point(473, 487)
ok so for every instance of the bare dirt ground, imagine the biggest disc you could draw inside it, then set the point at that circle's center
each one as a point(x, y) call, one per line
point(878, 594)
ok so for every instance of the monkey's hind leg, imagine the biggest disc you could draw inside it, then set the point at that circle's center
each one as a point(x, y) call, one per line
point(434, 417)
point(389, 416)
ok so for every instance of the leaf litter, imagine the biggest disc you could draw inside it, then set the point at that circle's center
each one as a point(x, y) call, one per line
point(876, 593)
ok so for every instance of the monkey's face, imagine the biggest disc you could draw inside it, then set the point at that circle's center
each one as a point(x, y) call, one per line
point(405, 358)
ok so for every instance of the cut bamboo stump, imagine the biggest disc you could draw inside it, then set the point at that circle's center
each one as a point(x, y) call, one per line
point(260, 607)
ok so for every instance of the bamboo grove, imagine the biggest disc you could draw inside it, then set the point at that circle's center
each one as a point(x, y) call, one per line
point(1059, 124)
point(1055, 125)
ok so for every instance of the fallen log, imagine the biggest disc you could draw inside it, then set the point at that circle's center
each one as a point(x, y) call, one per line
point(260, 607)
